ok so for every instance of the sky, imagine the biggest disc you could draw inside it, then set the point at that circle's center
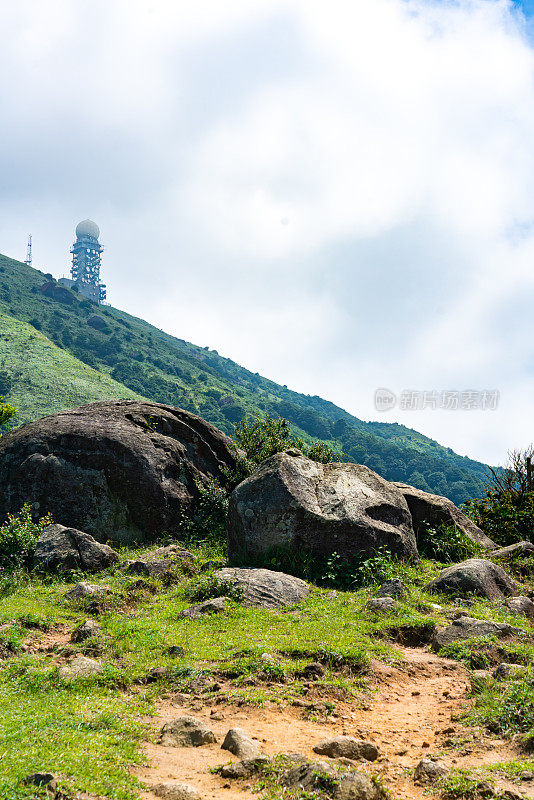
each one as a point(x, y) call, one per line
point(338, 195)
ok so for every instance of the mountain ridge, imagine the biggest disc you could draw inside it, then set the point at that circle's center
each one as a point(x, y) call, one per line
point(129, 357)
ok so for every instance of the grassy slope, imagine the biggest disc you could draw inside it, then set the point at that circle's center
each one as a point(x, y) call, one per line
point(167, 369)
point(89, 732)
point(47, 378)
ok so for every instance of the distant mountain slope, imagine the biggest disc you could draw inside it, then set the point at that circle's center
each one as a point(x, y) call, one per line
point(129, 352)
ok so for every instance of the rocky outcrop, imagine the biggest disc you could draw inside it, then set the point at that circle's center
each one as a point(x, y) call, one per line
point(263, 588)
point(433, 510)
point(294, 503)
point(61, 548)
point(474, 576)
point(119, 470)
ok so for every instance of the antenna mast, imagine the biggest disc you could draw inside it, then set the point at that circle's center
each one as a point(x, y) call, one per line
point(29, 252)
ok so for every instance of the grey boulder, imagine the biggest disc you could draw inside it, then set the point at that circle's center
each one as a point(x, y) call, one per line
point(213, 606)
point(469, 628)
point(79, 667)
point(382, 604)
point(506, 672)
point(244, 768)
point(264, 588)
point(353, 785)
point(392, 588)
point(517, 550)
point(87, 630)
point(475, 576)
point(428, 771)
point(240, 743)
point(83, 591)
point(347, 747)
point(61, 548)
point(294, 503)
point(120, 470)
point(521, 605)
point(434, 510)
point(186, 732)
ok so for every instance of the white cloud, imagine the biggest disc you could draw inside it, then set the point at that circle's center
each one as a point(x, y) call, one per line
point(338, 195)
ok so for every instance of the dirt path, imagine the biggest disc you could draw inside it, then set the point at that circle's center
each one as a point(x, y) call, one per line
point(413, 714)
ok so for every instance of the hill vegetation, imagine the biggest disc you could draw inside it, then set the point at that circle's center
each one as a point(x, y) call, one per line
point(58, 350)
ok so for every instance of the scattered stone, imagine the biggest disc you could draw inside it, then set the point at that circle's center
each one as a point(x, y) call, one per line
point(245, 768)
point(83, 591)
point(157, 568)
point(292, 502)
point(474, 576)
point(432, 509)
point(67, 549)
point(79, 667)
point(393, 588)
point(214, 606)
point(382, 604)
point(357, 786)
point(468, 628)
point(521, 605)
point(429, 771)
point(347, 747)
point(313, 670)
point(87, 630)
point(513, 550)
point(186, 732)
point(506, 672)
point(263, 588)
point(306, 774)
point(240, 743)
point(176, 791)
point(120, 470)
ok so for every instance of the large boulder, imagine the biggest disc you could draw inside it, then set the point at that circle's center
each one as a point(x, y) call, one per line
point(119, 470)
point(60, 548)
point(264, 588)
point(294, 503)
point(432, 509)
point(474, 576)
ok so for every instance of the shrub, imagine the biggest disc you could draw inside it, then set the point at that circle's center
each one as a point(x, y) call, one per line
point(6, 412)
point(18, 537)
point(262, 438)
point(445, 543)
point(208, 586)
point(207, 524)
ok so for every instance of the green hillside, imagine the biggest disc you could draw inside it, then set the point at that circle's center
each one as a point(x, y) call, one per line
point(128, 356)
point(46, 378)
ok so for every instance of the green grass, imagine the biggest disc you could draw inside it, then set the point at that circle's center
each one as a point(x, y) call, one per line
point(133, 358)
point(47, 378)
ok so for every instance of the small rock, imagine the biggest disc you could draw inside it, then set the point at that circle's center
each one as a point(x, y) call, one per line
point(214, 606)
point(505, 672)
point(176, 791)
point(527, 776)
point(85, 590)
point(347, 747)
point(176, 651)
point(468, 627)
point(186, 732)
point(61, 548)
point(428, 771)
point(521, 605)
point(40, 779)
point(313, 670)
point(475, 576)
point(245, 768)
point(357, 786)
point(384, 604)
point(306, 774)
point(79, 667)
point(263, 588)
point(239, 742)
point(392, 588)
point(87, 630)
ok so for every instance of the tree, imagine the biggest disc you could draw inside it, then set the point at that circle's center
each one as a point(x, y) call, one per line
point(261, 438)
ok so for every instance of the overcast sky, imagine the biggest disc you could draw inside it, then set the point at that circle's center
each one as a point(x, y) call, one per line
point(338, 194)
